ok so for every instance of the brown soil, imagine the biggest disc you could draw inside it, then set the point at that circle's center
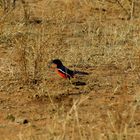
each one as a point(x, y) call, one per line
point(100, 38)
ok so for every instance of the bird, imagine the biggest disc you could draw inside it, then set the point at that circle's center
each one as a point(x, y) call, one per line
point(63, 71)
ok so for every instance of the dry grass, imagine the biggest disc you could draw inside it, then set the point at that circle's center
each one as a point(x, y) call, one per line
point(100, 37)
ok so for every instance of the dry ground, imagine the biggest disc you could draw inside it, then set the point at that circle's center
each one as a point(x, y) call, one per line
point(99, 37)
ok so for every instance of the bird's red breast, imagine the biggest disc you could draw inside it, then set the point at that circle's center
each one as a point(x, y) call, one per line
point(61, 74)
point(64, 72)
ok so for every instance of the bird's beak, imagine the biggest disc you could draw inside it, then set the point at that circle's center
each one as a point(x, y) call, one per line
point(49, 64)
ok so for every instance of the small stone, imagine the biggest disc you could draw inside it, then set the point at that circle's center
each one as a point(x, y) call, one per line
point(20, 87)
point(36, 96)
point(21, 121)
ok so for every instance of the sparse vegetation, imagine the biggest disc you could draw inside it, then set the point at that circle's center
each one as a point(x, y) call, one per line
point(101, 37)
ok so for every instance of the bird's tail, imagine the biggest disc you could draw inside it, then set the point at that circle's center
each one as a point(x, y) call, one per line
point(81, 73)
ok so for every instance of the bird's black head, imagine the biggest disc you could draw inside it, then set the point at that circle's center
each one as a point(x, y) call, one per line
point(57, 62)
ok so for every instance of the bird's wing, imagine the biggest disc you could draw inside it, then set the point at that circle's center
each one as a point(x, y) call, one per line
point(66, 71)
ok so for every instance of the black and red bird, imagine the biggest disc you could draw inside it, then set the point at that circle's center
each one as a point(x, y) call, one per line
point(63, 71)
